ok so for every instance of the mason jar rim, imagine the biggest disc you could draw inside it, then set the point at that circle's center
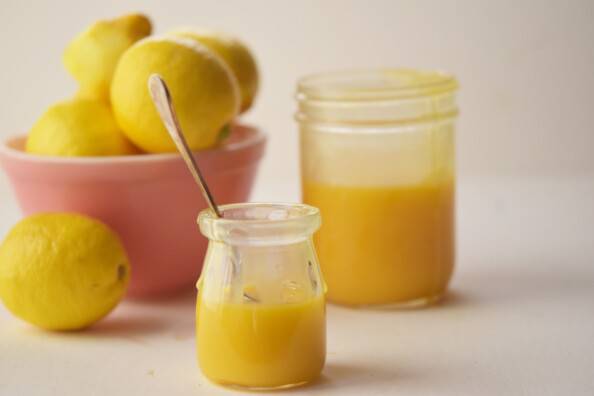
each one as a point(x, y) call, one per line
point(379, 98)
point(374, 84)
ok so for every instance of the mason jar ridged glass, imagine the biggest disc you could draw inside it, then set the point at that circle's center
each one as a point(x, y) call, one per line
point(377, 159)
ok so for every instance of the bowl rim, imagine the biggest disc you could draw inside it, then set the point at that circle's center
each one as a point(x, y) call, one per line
point(254, 139)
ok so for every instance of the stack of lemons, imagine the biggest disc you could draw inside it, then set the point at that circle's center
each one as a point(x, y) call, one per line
point(65, 271)
point(212, 78)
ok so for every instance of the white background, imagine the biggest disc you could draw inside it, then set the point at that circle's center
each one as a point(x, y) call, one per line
point(519, 320)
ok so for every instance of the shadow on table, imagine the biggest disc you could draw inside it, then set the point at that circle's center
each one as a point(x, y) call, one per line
point(351, 376)
point(127, 328)
point(140, 320)
point(503, 282)
point(134, 320)
point(452, 299)
point(183, 297)
point(124, 326)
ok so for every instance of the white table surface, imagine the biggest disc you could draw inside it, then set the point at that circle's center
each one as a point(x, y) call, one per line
point(520, 319)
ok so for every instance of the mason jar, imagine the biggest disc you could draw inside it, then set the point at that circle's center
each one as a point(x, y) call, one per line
point(377, 159)
point(260, 312)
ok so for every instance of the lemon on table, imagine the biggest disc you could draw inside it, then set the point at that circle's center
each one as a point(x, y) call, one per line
point(78, 127)
point(62, 271)
point(91, 57)
point(235, 53)
point(203, 89)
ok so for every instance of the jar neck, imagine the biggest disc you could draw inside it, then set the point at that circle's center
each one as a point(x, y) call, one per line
point(376, 98)
point(260, 224)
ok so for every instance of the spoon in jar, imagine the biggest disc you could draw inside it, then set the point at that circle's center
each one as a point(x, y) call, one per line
point(164, 104)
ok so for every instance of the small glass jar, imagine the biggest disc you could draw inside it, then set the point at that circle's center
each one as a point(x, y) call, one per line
point(260, 312)
point(377, 159)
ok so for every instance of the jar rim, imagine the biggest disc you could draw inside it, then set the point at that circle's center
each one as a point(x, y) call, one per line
point(254, 222)
point(374, 84)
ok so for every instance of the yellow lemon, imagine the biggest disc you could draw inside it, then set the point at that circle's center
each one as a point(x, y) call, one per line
point(203, 89)
point(235, 53)
point(62, 271)
point(91, 57)
point(78, 127)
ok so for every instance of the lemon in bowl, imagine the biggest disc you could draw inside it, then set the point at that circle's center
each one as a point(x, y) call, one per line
point(235, 54)
point(203, 88)
point(91, 57)
point(76, 128)
point(62, 271)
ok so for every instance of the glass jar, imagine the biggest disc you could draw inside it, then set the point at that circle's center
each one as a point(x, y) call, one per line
point(260, 312)
point(377, 159)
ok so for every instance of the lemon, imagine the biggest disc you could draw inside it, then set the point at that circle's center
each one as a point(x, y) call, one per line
point(62, 271)
point(235, 53)
point(78, 127)
point(91, 57)
point(203, 89)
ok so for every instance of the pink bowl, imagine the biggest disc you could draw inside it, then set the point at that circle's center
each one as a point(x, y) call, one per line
point(151, 200)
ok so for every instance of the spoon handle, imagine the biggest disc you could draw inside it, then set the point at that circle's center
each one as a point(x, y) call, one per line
point(164, 104)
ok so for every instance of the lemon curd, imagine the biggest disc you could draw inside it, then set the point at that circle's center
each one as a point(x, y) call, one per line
point(377, 159)
point(260, 311)
point(397, 242)
point(261, 345)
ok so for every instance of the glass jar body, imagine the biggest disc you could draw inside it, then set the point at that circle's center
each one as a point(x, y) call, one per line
point(260, 312)
point(384, 184)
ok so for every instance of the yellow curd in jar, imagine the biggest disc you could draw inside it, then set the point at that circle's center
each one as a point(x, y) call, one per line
point(261, 345)
point(378, 159)
point(385, 245)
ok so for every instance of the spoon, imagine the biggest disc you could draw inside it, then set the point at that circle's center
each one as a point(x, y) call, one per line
point(164, 104)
